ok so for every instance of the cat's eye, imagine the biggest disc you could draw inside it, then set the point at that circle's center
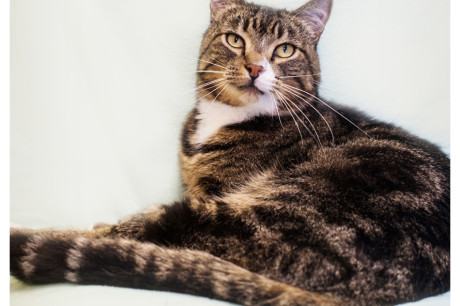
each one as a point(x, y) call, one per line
point(235, 41)
point(284, 50)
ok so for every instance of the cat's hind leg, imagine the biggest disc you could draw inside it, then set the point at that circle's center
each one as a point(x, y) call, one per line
point(159, 225)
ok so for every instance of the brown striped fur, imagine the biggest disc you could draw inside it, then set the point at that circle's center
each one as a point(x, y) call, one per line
point(287, 201)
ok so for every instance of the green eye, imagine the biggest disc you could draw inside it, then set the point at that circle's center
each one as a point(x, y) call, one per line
point(284, 50)
point(235, 41)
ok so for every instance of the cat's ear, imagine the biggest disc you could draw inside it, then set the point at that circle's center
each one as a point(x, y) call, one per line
point(220, 5)
point(315, 14)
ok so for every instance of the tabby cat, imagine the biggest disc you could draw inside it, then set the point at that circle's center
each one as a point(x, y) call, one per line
point(289, 200)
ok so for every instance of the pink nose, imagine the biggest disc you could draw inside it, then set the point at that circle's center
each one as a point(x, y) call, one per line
point(254, 70)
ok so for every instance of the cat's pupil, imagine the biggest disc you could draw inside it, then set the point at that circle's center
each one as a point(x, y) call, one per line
point(236, 39)
point(285, 47)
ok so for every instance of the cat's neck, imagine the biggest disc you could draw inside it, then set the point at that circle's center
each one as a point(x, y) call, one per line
point(213, 115)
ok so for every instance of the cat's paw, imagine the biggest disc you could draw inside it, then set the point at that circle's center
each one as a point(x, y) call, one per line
point(38, 256)
point(18, 240)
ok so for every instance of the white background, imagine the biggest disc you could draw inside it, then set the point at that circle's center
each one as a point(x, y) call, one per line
point(99, 90)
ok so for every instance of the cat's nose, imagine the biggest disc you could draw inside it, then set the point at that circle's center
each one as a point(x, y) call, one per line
point(254, 70)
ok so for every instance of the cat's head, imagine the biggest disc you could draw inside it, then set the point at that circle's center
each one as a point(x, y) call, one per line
point(254, 54)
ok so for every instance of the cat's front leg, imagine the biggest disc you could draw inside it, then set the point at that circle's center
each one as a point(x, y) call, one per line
point(39, 258)
point(24, 243)
point(162, 226)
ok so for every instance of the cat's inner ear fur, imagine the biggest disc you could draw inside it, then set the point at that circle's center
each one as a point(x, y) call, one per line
point(314, 15)
point(218, 6)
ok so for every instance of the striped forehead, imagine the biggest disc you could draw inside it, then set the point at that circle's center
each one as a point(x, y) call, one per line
point(262, 25)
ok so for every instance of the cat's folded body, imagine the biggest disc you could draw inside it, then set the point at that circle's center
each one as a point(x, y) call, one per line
point(289, 200)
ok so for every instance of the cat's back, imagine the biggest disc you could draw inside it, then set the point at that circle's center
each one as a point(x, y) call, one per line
point(368, 218)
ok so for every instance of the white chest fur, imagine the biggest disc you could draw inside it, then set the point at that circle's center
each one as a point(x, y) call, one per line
point(214, 115)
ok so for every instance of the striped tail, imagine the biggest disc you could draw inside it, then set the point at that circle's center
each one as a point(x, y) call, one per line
point(48, 258)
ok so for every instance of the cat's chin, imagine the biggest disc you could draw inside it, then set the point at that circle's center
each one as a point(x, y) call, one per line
point(250, 94)
point(251, 89)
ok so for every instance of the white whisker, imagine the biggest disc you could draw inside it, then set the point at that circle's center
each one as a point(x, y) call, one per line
point(210, 87)
point(200, 71)
point(206, 84)
point(327, 123)
point(297, 76)
point(276, 107)
point(220, 63)
point(289, 110)
point(213, 64)
point(306, 117)
point(216, 88)
point(226, 85)
point(211, 71)
point(309, 131)
point(186, 92)
point(330, 107)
